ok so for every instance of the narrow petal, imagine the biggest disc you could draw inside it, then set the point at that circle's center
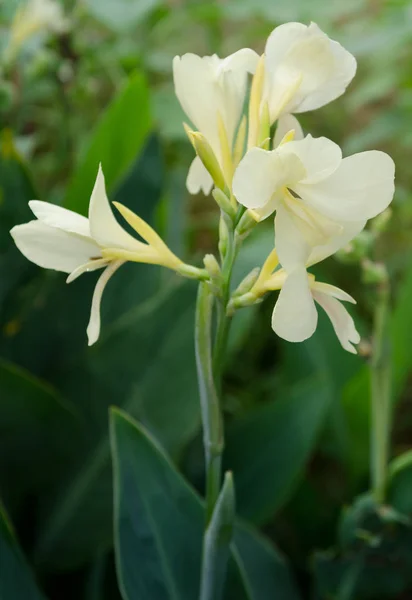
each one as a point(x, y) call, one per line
point(287, 123)
point(93, 328)
point(361, 188)
point(103, 226)
point(53, 248)
point(342, 322)
point(295, 317)
point(92, 265)
point(56, 216)
point(291, 246)
point(349, 231)
point(331, 290)
point(320, 157)
point(198, 178)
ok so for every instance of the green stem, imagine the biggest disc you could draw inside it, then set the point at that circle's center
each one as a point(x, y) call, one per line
point(209, 402)
point(380, 371)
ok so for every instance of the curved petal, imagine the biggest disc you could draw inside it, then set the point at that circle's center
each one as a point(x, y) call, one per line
point(198, 178)
point(295, 317)
point(56, 216)
point(88, 267)
point(245, 60)
point(53, 248)
point(255, 179)
point(291, 246)
point(320, 157)
point(103, 226)
point(93, 328)
point(361, 188)
point(287, 123)
point(349, 231)
point(342, 322)
point(332, 290)
point(280, 41)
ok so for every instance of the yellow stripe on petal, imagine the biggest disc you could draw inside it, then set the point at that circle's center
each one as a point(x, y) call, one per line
point(254, 103)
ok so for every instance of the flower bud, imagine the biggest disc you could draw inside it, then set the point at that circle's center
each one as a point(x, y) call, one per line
point(223, 236)
point(212, 267)
point(245, 225)
point(208, 158)
point(224, 202)
point(247, 283)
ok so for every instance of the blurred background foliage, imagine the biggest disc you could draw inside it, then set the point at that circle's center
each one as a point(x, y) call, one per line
point(297, 415)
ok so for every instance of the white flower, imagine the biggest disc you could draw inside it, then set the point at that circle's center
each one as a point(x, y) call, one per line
point(295, 316)
point(65, 241)
point(34, 17)
point(212, 90)
point(304, 69)
point(314, 191)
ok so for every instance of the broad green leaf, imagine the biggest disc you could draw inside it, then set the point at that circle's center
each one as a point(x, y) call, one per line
point(267, 450)
point(158, 526)
point(36, 433)
point(16, 580)
point(145, 364)
point(116, 142)
point(400, 483)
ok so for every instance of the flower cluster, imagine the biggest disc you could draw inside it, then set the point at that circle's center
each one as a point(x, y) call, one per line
point(320, 200)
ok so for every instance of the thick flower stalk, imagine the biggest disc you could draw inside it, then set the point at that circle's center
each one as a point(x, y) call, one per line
point(65, 241)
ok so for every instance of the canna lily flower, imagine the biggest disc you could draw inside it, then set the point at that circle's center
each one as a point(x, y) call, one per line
point(315, 192)
point(65, 241)
point(211, 92)
point(303, 70)
point(35, 16)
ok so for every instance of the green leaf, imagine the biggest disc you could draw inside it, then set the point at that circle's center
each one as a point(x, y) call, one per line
point(16, 580)
point(36, 431)
point(159, 523)
point(117, 140)
point(267, 450)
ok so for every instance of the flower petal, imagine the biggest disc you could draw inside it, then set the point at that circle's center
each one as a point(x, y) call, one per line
point(103, 226)
point(349, 231)
point(342, 322)
point(361, 188)
point(92, 265)
point(320, 157)
point(56, 216)
point(93, 328)
point(53, 248)
point(287, 123)
point(332, 290)
point(198, 178)
point(255, 179)
point(295, 317)
point(245, 60)
point(291, 246)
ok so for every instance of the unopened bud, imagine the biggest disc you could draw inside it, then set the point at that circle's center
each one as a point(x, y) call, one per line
point(245, 225)
point(212, 267)
point(208, 158)
point(373, 272)
point(192, 272)
point(223, 236)
point(247, 283)
point(248, 299)
point(224, 202)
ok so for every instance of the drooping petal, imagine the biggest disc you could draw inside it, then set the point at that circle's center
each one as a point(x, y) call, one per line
point(320, 157)
point(287, 123)
point(255, 179)
point(56, 216)
point(291, 246)
point(349, 231)
point(53, 248)
point(332, 290)
point(295, 317)
point(88, 267)
point(198, 178)
point(93, 328)
point(103, 226)
point(342, 322)
point(361, 188)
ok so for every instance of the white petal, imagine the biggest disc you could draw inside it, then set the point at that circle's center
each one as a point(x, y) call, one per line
point(341, 320)
point(349, 231)
point(320, 157)
point(93, 328)
point(287, 123)
point(332, 290)
point(245, 60)
point(103, 226)
point(199, 178)
point(291, 246)
point(53, 248)
point(361, 188)
point(56, 216)
point(92, 265)
point(295, 317)
point(255, 179)
point(281, 40)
